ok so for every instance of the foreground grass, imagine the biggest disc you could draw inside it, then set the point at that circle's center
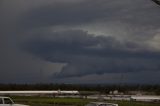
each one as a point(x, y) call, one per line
point(49, 101)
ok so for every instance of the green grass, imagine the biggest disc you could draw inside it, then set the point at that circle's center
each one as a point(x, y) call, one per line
point(49, 101)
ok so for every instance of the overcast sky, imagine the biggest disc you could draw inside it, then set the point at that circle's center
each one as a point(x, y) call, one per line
point(79, 41)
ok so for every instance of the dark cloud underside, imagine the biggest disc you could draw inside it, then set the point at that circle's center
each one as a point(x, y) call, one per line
point(85, 54)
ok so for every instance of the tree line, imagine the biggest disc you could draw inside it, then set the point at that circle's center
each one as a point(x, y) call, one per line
point(102, 88)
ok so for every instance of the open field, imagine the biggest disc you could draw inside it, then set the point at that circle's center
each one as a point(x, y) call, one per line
point(49, 101)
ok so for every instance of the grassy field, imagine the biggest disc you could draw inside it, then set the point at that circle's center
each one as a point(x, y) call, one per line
point(46, 101)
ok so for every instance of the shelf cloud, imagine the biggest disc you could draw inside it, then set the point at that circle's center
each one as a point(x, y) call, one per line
point(60, 40)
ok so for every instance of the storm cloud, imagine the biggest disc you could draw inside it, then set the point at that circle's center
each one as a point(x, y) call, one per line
point(86, 54)
point(64, 40)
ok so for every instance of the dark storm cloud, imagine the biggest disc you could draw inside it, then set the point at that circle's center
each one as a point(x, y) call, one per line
point(136, 13)
point(65, 14)
point(80, 52)
point(85, 54)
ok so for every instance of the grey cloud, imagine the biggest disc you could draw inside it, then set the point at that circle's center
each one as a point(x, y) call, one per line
point(64, 14)
point(105, 66)
point(136, 15)
point(88, 11)
point(85, 54)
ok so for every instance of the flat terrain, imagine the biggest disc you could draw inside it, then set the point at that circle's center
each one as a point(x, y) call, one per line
point(50, 101)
